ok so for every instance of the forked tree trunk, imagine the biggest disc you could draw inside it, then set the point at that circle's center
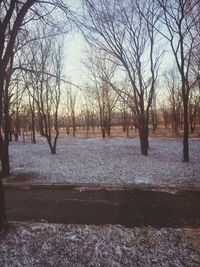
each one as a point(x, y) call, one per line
point(53, 145)
point(52, 148)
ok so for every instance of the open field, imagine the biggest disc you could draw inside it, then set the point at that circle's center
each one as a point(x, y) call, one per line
point(113, 160)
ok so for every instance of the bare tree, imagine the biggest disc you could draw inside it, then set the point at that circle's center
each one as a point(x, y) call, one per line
point(45, 89)
point(71, 105)
point(174, 98)
point(122, 30)
point(181, 28)
point(15, 15)
point(17, 102)
point(32, 106)
point(125, 115)
point(100, 73)
point(106, 71)
point(154, 118)
point(88, 116)
point(165, 113)
point(194, 107)
point(194, 97)
point(96, 92)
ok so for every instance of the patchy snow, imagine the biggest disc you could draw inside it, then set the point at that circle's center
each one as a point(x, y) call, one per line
point(93, 160)
point(83, 245)
point(113, 160)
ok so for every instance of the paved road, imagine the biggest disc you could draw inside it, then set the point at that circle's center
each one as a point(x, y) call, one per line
point(131, 206)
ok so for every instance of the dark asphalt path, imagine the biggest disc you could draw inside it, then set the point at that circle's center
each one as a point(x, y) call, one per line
point(128, 206)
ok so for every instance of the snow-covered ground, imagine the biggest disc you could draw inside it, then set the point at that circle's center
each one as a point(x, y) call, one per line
point(113, 160)
point(93, 160)
point(82, 245)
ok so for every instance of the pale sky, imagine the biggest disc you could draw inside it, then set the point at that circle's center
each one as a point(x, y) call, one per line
point(74, 53)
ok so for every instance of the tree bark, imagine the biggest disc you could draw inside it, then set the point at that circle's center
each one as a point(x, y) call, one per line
point(3, 219)
point(4, 154)
point(33, 126)
point(103, 132)
point(143, 134)
point(109, 124)
point(185, 132)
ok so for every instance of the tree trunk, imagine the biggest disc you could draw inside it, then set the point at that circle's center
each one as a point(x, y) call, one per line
point(186, 131)
point(108, 130)
point(73, 124)
point(5, 164)
point(192, 124)
point(165, 117)
point(5, 143)
point(143, 134)
point(53, 150)
point(3, 220)
point(102, 125)
point(127, 131)
point(108, 123)
point(154, 120)
point(67, 130)
point(41, 125)
point(74, 130)
point(192, 119)
point(103, 132)
point(33, 126)
point(4, 170)
point(10, 136)
point(144, 143)
point(17, 126)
